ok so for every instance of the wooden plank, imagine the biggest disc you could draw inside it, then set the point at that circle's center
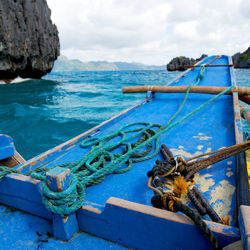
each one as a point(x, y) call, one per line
point(12, 161)
point(215, 58)
point(24, 193)
point(144, 227)
point(236, 106)
point(117, 218)
point(242, 185)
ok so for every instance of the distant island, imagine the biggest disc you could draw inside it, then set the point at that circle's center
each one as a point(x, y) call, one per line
point(63, 64)
point(240, 60)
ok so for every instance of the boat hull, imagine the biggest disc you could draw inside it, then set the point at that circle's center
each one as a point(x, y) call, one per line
point(119, 209)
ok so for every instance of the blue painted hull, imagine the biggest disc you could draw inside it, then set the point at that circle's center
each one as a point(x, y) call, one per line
point(128, 219)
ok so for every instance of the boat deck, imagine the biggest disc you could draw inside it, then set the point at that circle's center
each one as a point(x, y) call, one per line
point(209, 129)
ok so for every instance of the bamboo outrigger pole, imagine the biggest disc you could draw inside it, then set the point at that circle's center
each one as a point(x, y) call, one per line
point(209, 65)
point(182, 89)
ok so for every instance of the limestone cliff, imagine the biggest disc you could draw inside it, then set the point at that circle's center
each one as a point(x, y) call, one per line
point(242, 60)
point(29, 42)
point(180, 63)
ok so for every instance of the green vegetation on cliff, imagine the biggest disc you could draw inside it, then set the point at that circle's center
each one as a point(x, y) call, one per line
point(242, 60)
point(243, 57)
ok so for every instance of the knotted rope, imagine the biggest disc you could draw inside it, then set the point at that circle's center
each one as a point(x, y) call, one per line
point(182, 181)
point(6, 170)
point(172, 203)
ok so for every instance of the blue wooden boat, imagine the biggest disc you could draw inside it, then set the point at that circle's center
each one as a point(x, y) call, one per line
point(117, 213)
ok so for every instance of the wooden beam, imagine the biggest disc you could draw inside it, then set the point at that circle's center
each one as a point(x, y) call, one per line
point(206, 65)
point(135, 225)
point(183, 89)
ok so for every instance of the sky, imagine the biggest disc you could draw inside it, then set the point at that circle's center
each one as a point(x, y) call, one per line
point(150, 31)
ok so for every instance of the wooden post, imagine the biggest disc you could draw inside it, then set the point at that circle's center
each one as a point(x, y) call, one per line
point(59, 179)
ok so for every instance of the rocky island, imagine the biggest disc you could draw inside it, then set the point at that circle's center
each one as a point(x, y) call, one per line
point(242, 60)
point(180, 63)
point(29, 42)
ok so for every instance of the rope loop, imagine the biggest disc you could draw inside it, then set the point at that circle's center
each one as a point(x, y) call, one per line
point(168, 201)
point(182, 165)
point(65, 202)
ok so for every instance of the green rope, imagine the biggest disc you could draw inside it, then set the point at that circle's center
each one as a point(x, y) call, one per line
point(242, 112)
point(7, 170)
point(101, 159)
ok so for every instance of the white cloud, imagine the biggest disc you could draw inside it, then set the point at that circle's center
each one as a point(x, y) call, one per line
point(150, 31)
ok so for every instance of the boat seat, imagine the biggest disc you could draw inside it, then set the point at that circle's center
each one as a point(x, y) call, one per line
point(7, 148)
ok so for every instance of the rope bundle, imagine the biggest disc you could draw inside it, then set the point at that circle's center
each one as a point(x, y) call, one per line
point(97, 163)
point(182, 182)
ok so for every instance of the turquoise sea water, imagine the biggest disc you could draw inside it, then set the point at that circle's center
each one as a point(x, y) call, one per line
point(40, 114)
